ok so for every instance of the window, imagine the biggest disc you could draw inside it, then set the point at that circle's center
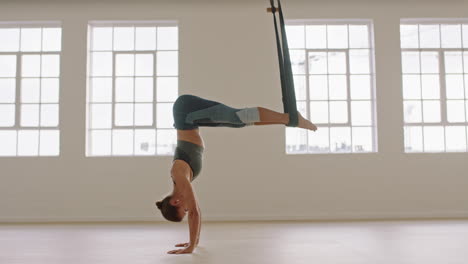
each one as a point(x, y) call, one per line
point(132, 85)
point(435, 85)
point(29, 89)
point(334, 80)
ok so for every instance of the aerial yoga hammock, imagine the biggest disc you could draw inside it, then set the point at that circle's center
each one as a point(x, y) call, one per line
point(286, 75)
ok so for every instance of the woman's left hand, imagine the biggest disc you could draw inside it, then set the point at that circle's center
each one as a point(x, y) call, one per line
point(186, 250)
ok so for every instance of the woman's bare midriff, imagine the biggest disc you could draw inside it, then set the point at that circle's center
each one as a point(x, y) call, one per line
point(192, 136)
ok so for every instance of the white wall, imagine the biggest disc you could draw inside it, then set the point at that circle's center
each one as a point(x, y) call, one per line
point(227, 53)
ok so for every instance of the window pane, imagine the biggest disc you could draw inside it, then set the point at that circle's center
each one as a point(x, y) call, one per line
point(296, 140)
point(28, 142)
point(451, 36)
point(50, 66)
point(338, 87)
point(455, 138)
point(434, 138)
point(319, 141)
point(359, 61)
point(101, 64)
point(124, 114)
point(302, 108)
point(167, 89)
point(300, 87)
point(168, 38)
point(413, 139)
point(360, 87)
point(340, 139)
point(410, 62)
point(317, 62)
point(51, 39)
point(316, 37)
point(7, 90)
point(358, 36)
point(298, 61)
point(456, 111)
point(411, 86)
point(318, 87)
point(50, 90)
point(144, 89)
point(164, 116)
point(30, 90)
point(166, 141)
point(431, 111)
point(319, 112)
point(30, 115)
point(49, 115)
point(10, 39)
point(100, 142)
point(337, 36)
point(144, 65)
point(124, 38)
point(338, 112)
point(101, 90)
point(362, 139)
point(124, 89)
point(465, 36)
point(430, 36)
point(430, 87)
point(49, 143)
point(429, 62)
point(167, 63)
point(409, 36)
point(145, 142)
point(453, 62)
point(336, 62)
point(125, 65)
point(145, 38)
point(8, 142)
point(413, 112)
point(143, 114)
point(122, 142)
point(7, 115)
point(101, 38)
point(101, 115)
point(465, 61)
point(361, 113)
point(295, 36)
point(30, 39)
point(454, 86)
point(7, 65)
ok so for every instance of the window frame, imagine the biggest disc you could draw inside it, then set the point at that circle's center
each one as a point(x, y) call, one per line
point(155, 76)
point(348, 74)
point(19, 54)
point(442, 74)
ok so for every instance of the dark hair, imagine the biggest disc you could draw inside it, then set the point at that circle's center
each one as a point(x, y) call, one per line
point(169, 211)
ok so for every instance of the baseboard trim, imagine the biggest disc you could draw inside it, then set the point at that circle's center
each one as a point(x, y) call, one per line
point(349, 216)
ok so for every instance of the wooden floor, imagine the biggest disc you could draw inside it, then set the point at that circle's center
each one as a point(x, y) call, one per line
point(405, 242)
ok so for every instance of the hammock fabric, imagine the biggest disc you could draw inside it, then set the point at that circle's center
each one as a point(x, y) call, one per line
point(286, 75)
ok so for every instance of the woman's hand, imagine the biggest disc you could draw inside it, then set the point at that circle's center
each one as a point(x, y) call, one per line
point(187, 250)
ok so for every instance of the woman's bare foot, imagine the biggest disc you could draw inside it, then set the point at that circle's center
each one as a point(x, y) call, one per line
point(306, 124)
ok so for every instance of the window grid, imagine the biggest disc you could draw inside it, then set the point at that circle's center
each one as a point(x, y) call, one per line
point(294, 135)
point(44, 135)
point(166, 132)
point(418, 136)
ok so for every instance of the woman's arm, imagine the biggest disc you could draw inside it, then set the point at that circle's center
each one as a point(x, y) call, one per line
point(194, 216)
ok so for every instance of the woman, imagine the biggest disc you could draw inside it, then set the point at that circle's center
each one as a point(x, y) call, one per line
point(191, 112)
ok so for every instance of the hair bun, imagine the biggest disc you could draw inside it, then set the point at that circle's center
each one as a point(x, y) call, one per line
point(159, 205)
